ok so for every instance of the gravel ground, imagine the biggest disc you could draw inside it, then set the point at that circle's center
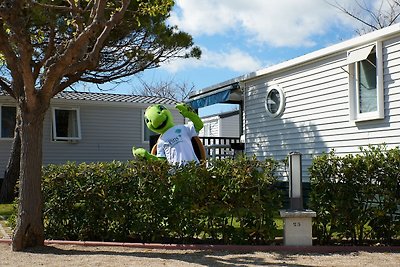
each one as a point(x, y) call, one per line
point(73, 255)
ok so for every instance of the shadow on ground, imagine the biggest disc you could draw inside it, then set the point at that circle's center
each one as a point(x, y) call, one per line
point(206, 258)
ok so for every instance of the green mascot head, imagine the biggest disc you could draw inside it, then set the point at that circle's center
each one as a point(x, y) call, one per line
point(158, 118)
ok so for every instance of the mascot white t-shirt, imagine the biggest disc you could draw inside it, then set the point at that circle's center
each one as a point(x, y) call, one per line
point(175, 145)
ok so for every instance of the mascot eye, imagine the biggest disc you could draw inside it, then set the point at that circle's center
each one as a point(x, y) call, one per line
point(146, 120)
point(161, 107)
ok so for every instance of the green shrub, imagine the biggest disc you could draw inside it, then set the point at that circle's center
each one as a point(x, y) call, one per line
point(227, 201)
point(356, 197)
point(323, 176)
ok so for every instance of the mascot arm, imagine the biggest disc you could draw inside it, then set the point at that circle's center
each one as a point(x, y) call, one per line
point(143, 154)
point(189, 113)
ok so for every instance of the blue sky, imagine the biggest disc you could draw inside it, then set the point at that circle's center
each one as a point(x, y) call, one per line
point(242, 36)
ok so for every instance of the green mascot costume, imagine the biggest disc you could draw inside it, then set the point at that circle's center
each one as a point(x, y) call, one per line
point(175, 141)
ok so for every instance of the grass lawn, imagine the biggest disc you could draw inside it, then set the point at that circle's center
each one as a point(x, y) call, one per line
point(279, 226)
point(6, 210)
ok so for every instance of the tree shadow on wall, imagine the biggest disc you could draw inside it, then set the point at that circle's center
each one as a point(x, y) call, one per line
point(276, 138)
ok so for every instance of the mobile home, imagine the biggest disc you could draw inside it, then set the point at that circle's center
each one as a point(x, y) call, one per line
point(341, 97)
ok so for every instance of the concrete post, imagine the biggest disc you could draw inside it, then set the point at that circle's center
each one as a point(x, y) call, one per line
point(295, 181)
point(297, 221)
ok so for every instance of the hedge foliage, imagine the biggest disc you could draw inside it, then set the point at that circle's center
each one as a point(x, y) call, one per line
point(357, 197)
point(231, 201)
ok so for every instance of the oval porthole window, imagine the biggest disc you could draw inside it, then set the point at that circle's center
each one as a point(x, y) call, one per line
point(275, 101)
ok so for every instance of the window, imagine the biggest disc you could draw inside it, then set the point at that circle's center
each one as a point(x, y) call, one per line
point(7, 121)
point(207, 129)
point(366, 83)
point(275, 101)
point(66, 124)
point(146, 131)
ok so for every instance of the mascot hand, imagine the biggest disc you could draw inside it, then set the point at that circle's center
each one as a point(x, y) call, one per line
point(185, 110)
point(189, 113)
point(140, 153)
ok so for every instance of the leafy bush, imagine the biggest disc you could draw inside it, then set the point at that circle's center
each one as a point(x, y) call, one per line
point(356, 197)
point(227, 201)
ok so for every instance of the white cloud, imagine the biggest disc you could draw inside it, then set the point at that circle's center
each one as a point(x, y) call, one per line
point(280, 23)
point(248, 33)
point(233, 59)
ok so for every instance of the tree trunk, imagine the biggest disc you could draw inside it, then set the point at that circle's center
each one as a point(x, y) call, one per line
point(29, 231)
point(11, 174)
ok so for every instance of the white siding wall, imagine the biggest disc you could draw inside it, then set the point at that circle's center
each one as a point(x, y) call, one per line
point(316, 117)
point(5, 148)
point(220, 126)
point(5, 144)
point(229, 126)
point(211, 127)
point(108, 133)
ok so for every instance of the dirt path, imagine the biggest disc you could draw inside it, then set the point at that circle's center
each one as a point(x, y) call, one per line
point(77, 255)
point(73, 255)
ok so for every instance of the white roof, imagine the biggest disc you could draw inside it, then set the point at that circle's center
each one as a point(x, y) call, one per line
point(109, 98)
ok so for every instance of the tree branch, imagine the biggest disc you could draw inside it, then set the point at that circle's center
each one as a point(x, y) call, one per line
point(11, 60)
point(347, 12)
point(21, 38)
point(92, 58)
point(49, 51)
point(379, 17)
point(5, 86)
point(73, 52)
point(114, 20)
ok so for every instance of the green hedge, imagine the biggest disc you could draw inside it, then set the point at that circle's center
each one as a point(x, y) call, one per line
point(357, 197)
point(228, 201)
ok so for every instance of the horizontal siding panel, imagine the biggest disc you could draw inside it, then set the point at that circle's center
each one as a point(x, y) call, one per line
point(314, 86)
point(333, 123)
point(230, 126)
point(349, 146)
point(328, 103)
point(326, 129)
point(306, 138)
point(257, 109)
point(302, 135)
point(302, 75)
point(333, 89)
point(343, 140)
point(215, 128)
point(299, 81)
point(391, 60)
point(325, 106)
point(316, 119)
point(305, 91)
point(321, 113)
point(391, 45)
point(392, 80)
point(5, 148)
point(390, 63)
